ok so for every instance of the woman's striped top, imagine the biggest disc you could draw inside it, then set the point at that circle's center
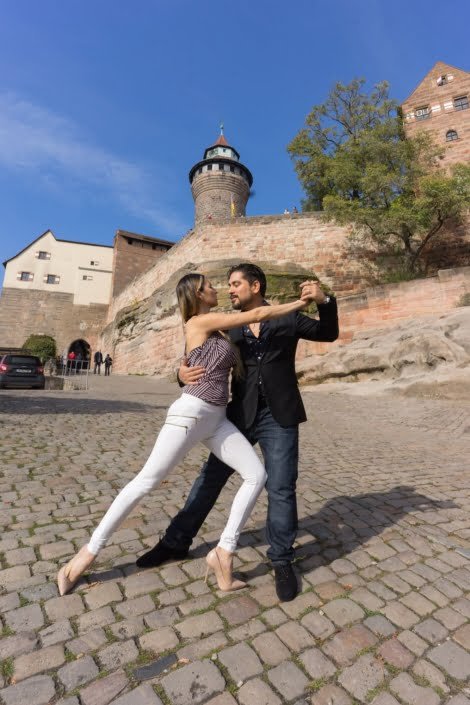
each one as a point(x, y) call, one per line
point(218, 356)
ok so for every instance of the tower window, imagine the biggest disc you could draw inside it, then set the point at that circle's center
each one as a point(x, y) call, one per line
point(461, 103)
point(221, 167)
point(209, 167)
point(199, 171)
point(423, 113)
point(451, 135)
point(232, 169)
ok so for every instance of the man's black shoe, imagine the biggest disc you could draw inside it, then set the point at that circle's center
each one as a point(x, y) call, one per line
point(286, 582)
point(159, 554)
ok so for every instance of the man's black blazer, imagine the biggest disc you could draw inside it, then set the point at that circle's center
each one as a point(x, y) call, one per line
point(277, 367)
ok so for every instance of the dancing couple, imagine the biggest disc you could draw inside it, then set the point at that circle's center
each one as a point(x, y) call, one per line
point(266, 408)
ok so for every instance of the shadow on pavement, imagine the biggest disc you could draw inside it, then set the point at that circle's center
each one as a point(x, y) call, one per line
point(30, 405)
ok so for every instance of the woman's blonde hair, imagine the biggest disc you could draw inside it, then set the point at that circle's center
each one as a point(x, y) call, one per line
point(186, 293)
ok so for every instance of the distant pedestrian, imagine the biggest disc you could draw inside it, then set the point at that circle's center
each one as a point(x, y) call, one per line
point(107, 365)
point(98, 359)
point(294, 210)
point(71, 359)
point(286, 211)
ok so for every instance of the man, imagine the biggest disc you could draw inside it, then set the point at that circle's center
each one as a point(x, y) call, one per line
point(98, 359)
point(267, 407)
point(107, 365)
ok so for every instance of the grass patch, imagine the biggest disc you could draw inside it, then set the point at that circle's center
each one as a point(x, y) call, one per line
point(7, 669)
point(6, 631)
point(315, 685)
point(161, 694)
point(375, 691)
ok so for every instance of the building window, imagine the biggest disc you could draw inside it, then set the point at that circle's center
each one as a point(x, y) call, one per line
point(232, 169)
point(94, 263)
point(52, 279)
point(451, 135)
point(423, 113)
point(209, 167)
point(221, 167)
point(130, 241)
point(25, 276)
point(442, 80)
point(43, 255)
point(461, 103)
point(87, 277)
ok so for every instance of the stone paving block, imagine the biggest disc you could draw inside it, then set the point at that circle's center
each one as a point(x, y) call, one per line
point(9, 602)
point(193, 684)
point(343, 612)
point(320, 575)
point(330, 695)
point(56, 633)
point(76, 673)
point(418, 604)
point(203, 647)
point(161, 618)
point(363, 676)
point(404, 687)
point(462, 636)
point(118, 654)
point(413, 642)
point(14, 575)
point(102, 691)
point(433, 675)
point(305, 601)
point(239, 610)
point(50, 551)
point(20, 556)
point(366, 598)
point(458, 700)
point(91, 641)
point(141, 583)
point(341, 566)
point(274, 617)
point(452, 658)
point(431, 630)
point(379, 625)
point(97, 618)
point(384, 699)
point(295, 636)
point(288, 680)
point(128, 628)
point(223, 699)
point(394, 653)
point(270, 649)
point(380, 550)
point(40, 592)
point(142, 695)
point(135, 607)
point(25, 618)
point(39, 690)
point(256, 691)
point(434, 595)
point(381, 590)
point(317, 664)
point(240, 661)
point(412, 578)
point(101, 595)
point(345, 645)
point(265, 594)
point(201, 602)
point(64, 607)
point(329, 591)
point(200, 625)
point(462, 606)
point(247, 631)
point(37, 661)
point(159, 640)
point(173, 575)
point(21, 643)
point(448, 588)
point(400, 615)
point(171, 597)
point(319, 625)
point(397, 584)
point(449, 618)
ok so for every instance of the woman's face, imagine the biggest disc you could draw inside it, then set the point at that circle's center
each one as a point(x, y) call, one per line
point(208, 294)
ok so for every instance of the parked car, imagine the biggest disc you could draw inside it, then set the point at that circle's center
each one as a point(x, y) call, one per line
point(18, 370)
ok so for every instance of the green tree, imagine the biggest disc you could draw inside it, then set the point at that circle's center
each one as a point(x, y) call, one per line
point(43, 346)
point(355, 164)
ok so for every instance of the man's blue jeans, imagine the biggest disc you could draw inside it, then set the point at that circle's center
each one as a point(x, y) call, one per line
point(280, 448)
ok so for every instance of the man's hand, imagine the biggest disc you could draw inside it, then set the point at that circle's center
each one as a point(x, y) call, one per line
point(310, 291)
point(189, 375)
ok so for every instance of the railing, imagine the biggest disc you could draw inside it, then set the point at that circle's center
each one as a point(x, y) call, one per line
point(74, 373)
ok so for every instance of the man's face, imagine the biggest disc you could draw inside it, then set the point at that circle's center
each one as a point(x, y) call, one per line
point(242, 293)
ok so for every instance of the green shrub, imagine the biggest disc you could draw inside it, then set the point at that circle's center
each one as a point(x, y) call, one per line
point(41, 345)
point(464, 299)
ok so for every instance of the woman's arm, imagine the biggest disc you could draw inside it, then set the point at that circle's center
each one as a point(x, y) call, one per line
point(210, 322)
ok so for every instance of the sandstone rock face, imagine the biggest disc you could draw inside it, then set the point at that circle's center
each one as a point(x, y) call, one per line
point(417, 352)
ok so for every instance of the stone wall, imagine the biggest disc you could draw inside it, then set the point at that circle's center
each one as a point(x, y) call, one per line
point(38, 312)
point(132, 256)
point(302, 239)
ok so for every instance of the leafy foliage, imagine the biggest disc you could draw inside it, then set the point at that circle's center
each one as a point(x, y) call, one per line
point(355, 164)
point(43, 346)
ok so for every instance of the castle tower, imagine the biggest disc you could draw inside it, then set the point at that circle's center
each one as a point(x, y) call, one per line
point(220, 183)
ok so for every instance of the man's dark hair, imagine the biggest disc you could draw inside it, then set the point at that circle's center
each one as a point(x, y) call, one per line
point(251, 273)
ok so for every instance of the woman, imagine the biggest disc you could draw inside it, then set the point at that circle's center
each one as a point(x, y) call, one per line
point(197, 416)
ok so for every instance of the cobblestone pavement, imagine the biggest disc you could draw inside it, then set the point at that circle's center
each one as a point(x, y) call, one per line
point(383, 560)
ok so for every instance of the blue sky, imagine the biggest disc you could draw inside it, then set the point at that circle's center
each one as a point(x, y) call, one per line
point(106, 104)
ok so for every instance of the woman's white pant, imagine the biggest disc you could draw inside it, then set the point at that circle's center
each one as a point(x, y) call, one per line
point(191, 420)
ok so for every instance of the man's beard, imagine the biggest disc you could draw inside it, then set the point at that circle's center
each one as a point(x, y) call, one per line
point(236, 305)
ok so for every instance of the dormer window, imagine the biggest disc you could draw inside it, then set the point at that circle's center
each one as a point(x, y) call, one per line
point(423, 113)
